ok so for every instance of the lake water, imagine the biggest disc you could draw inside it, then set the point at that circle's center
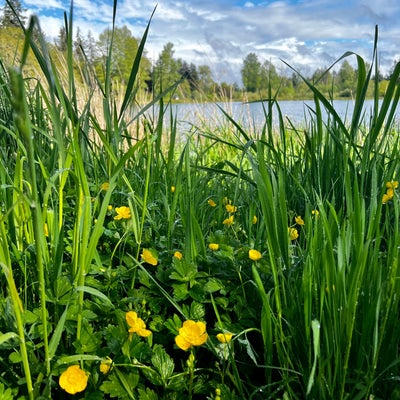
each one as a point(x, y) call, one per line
point(253, 115)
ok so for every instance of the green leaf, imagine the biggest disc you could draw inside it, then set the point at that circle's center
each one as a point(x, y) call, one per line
point(55, 339)
point(5, 394)
point(7, 336)
point(147, 394)
point(163, 363)
point(113, 387)
point(96, 293)
point(213, 285)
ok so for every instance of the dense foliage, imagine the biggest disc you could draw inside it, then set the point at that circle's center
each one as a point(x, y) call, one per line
point(140, 264)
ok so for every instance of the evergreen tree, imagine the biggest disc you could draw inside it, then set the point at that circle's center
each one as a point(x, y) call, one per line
point(12, 14)
point(61, 40)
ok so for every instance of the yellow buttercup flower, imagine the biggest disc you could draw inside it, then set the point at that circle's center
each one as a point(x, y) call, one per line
point(105, 186)
point(255, 255)
point(224, 337)
point(228, 221)
point(172, 189)
point(105, 366)
point(123, 212)
point(213, 246)
point(178, 255)
point(149, 256)
point(212, 203)
point(191, 334)
point(109, 207)
point(230, 208)
point(254, 220)
point(386, 198)
point(293, 233)
point(389, 191)
point(392, 184)
point(299, 220)
point(136, 324)
point(73, 380)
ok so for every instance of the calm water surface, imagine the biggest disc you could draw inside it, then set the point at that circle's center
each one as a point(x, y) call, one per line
point(251, 115)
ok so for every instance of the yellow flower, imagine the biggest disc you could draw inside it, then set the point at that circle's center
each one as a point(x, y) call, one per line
point(122, 213)
point(191, 334)
point(230, 208)
point(105, 186)
point(105, 365)
point(224, 337)
point(73, 380)
point(299, 220)
point(109, 207)
point(392, 185)
point(136, 324)
point(178, 255)
point(172, 189)
point(212, 203)
point(315, 212)
point(149, 256)
point(385, 198)
point(228, 221)
point(293, 233)
point(255, 255)
point(46, 229)
point(213, 246)
point(254, 220)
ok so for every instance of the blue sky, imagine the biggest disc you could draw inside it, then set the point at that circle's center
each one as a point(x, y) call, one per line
point(308, 34)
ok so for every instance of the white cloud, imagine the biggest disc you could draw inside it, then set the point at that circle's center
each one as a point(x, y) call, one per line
point(307, 34)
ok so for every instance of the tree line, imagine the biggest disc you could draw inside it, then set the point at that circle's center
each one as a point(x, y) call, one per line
point(195, 82)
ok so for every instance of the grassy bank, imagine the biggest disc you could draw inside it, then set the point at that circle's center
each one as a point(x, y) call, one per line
point(229, 265)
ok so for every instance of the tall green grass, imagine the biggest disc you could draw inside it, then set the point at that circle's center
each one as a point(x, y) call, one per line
point(315, 317)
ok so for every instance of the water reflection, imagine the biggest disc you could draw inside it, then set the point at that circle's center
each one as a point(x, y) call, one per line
point(252, 115)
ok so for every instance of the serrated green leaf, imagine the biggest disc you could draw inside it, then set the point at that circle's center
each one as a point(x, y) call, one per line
point(5, 394)
point(152, 376)
point(213, 285)
point(180, 291)
point(147, 394)
point(113, 387)
point(197, 311)
point(163, 363)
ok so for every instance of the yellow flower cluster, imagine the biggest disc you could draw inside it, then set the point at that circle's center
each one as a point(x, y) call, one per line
point(191, 334)
point(390, 187)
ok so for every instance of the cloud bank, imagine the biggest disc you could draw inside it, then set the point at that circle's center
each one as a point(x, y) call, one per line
point(307, 34)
